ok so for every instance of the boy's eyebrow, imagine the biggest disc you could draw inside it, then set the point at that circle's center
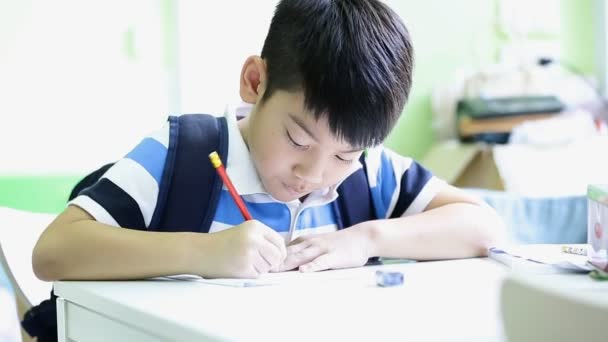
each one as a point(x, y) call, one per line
point(353, 150)
point(309, 132)
point(302, 126)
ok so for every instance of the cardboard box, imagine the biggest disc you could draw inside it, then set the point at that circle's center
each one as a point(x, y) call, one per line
point(465, 165)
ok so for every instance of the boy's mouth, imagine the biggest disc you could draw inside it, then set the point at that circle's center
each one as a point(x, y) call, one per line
point(293, 190)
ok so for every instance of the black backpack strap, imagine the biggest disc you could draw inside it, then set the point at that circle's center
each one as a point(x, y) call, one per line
point(190, 187)
point(354, 202)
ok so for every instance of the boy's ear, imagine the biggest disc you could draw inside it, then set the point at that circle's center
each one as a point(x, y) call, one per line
point(253, 79)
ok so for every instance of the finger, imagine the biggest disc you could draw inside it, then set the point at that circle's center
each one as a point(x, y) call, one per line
point(271, 254)
point(275, 269)
point(297, 248)
point(323, 262)
point(261, 265)
point(303, 256)
point(288, 265)
point(297, 240)
point(253, 272)
point(277, 240)
point(290, 262)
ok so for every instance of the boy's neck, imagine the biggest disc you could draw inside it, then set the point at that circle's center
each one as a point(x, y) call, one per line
point(242, 123)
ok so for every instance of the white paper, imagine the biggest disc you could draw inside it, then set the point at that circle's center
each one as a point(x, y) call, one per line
point(540, 258)
point(296, 278)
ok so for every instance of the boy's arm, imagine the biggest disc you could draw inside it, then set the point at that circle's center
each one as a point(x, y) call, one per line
point(85, 241)
point(75, 246)
point(453, 225)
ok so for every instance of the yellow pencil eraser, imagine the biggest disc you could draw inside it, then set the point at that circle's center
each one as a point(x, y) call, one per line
point(215, 159)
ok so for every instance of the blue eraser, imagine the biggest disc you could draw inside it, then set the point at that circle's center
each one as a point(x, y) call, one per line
point(386, 279)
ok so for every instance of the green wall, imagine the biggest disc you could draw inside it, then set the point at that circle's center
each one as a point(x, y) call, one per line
point(577, 36)
point(38, 193)
point(449, 35)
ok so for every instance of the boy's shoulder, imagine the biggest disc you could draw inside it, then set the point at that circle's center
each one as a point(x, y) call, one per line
point(381, 157)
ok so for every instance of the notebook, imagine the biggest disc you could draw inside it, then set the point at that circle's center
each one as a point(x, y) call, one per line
point(541, 258)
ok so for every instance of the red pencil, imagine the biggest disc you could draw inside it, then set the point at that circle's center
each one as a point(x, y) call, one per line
point(217, 164)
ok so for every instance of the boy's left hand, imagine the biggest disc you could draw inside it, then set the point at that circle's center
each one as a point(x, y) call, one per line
point(342, 249)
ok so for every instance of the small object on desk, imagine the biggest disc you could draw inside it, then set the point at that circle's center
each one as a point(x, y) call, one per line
point(388, 279)
point(597, 225)
point(598, 274)
point(574, 250)
point(388, 261)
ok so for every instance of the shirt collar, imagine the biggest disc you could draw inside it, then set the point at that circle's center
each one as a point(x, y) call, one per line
point(240, 167)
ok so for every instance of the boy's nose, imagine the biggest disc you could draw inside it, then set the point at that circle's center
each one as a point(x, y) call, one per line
point(311, 173)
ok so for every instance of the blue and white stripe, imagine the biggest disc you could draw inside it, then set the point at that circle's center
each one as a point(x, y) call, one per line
point(126, 195)
point(273, 214)
point(398, 185)
point(135, 181)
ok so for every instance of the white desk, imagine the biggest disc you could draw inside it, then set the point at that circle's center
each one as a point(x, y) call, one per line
point(440, 301)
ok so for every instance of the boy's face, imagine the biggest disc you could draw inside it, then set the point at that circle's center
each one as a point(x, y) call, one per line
point(293, 153)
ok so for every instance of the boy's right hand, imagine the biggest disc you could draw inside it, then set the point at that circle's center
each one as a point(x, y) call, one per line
point(244, 251)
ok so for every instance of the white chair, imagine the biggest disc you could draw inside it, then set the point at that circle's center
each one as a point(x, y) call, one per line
point(9, 325)
point(537, 311)
point(19, 232)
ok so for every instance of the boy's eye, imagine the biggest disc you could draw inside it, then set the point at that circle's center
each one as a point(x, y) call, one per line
point(347, 161)
point(293, 142)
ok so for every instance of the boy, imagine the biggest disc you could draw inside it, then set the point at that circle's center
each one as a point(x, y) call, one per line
point(331, 82)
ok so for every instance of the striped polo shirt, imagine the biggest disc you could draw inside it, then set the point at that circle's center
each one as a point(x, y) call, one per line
point(132, 183)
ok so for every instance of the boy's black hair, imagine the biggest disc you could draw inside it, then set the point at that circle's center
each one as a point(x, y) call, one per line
point(353, 60)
